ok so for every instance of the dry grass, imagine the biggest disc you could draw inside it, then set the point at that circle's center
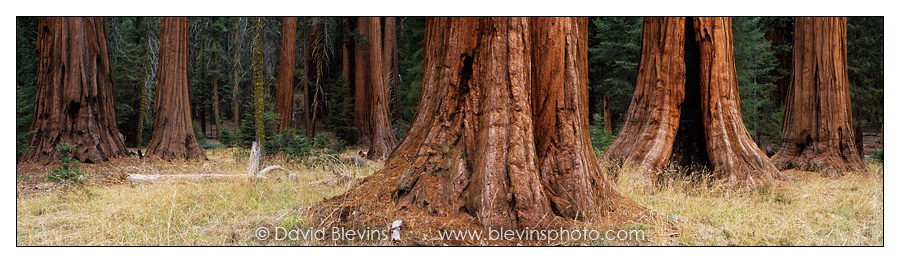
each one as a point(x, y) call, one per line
point(183, 212)
point(807, 209)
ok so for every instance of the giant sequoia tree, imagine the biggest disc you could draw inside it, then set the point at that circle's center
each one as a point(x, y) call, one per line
point(75, 98)
point(372, 60)
point(284, 100)
point(173, 134)
point(818, 126)
point(686, 108)
point(501, 133)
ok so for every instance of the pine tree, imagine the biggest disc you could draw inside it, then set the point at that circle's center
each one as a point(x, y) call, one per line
point(865, 66)
point(26, 79)
point(614, 53)
point(411, 60)
point(755, 64)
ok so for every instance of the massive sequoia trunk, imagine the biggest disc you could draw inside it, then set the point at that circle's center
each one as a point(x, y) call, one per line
point(500, 134)
point(173, 133)
point(75, 98)
point(284, 100)
point(818, 125)
point(383, 139)
point(686, 108)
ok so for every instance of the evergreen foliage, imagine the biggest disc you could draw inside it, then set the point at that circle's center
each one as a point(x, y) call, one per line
point(614, 51)
point(340, 115)
point(26, 79)
point(756, 64)
point(865, 68)
point(411, 59)
point(69, 172)
point(224, 50)
point(600, 138)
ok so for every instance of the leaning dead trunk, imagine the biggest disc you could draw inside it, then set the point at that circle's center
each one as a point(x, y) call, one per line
point(75, 98)
point(686, 108)
point(818, 126)
point(500, 134)
point(173, 133)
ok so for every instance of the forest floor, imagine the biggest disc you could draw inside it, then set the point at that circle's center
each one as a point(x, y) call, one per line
point(806, 209)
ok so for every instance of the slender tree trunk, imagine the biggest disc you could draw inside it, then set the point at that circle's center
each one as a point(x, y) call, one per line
point(607, 119)
point(173, 136)
point(362, 92)
point(259, 89)
point(235, 95)
point(500, 134)
point(818, 125)
point(346, 63)
point(316, 63)
point(215, 95)
point(383, 139)
point(390, 66)
point(686, 108)
point(284, 101)
point(75, 97)
point(144, 93)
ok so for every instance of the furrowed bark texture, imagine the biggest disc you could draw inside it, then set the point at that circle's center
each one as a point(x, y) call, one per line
point(284, 100)
point(565, 158)
point(361, 83)
point(729, 146)
point(649, 130)
point(500, 134)
point(818, 125)
point(383, 140)
point(173, 133)
point(686, 110)
point(75, 97)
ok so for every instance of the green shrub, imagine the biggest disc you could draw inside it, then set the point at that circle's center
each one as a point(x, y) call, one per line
point(325, 141)
point(227, 137)
point(211, 145)
point(198, 132)
point(292, 143)
point(879, 155)
point(69, 171)
point(339, 118)
point(600, 138)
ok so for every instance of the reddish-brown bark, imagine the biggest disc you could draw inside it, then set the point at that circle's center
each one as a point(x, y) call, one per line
point(686, 107)
point(818, 125)
point(75, 97)
point(383, 140)
point(391, 66)
point(729, 146)
point(648, 133)
point(500, 134)
point(361, 90)
point(284, 99)
point(173, 133)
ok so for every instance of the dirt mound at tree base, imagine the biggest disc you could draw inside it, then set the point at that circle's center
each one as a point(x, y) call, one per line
point(373, 204)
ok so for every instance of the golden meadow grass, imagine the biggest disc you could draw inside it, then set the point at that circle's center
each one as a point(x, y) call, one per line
point(806, 209)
